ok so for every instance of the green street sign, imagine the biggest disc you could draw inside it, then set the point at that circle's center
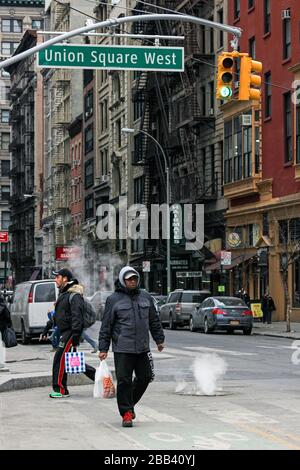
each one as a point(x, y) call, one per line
point(221, 288)
point(85, 56)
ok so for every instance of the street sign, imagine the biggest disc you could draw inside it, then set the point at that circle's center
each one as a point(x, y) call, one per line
point(146, 266)
point(3, 237)
point(225, 258)
point(85, 56)
point(221, 289)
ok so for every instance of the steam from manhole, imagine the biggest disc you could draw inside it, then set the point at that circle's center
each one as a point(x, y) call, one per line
point(208, 370)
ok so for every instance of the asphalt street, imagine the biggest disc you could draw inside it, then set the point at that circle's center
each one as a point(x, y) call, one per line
point(256, 405)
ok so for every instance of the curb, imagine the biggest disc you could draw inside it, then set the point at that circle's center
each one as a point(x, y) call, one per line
point(277, 335)
point(13, 382)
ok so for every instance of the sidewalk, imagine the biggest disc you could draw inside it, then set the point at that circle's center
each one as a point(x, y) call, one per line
point(277, 329)
point(29, 367)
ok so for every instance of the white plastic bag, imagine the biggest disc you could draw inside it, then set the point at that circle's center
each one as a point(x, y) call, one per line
point(103, 387)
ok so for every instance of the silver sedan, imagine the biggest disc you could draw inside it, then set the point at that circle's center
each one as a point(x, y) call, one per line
point(222, 313)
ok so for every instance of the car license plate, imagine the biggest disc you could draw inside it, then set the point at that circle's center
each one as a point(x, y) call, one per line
point(234, 323)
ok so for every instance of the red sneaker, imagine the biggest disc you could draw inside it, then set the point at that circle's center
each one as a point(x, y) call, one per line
point(127, 420)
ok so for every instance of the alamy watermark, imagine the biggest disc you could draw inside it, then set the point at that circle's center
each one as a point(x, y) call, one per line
point(138, 222)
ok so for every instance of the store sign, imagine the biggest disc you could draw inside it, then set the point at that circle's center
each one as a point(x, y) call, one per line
point(189, 274)
point(66, 253)
point(3, 237)
point(256, 310)
point(234, 239)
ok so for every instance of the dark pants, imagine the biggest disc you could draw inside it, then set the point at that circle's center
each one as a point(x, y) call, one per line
point(129, 391)
point(267, 316)
point(59, 376)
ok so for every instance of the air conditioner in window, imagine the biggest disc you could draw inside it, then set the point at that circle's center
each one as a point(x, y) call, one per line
point(212, 112)
point(154, 190)
point(75, 162)
point(285, 14)
point(103, 178)
point(246, 120)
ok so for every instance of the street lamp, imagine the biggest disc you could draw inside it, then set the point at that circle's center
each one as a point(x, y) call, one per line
point(127, 130)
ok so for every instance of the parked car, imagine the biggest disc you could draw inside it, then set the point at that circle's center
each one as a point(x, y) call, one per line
point(29, 307)
point(159, 300)
point(98, 300)
point(180, 305)
point(224, 313)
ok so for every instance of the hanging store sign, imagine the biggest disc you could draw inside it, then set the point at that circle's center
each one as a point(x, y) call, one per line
point(234, 239)
point(189, 274)
point(226, 258)
point(85, 56)
point(3, 237)
point(66, 253)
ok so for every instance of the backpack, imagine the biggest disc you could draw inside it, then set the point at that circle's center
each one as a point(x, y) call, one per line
point(89, 314)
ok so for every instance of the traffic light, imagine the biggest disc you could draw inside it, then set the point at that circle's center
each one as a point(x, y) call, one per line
point(248, 80)
point(225, 76)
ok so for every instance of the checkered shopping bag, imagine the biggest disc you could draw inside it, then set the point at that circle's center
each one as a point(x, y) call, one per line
point(75, 362)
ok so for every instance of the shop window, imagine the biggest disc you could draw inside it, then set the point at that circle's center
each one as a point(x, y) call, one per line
point(296, 289)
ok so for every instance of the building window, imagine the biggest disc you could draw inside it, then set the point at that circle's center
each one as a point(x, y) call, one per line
point(138, 148)
point(89, 173)
point(88, 139)
point(89, 207)
point(4, 92)
point(221, 33)
point(266, 224)
point(88, 104)
point(11, 26)
point(252, 47)
point(251, 4)
point(296, 289)
point(203, 100)
point(8, 47)
point(116, 87)
point(5, 116)
point(237, 9)
point(37, 24)
point(237, 149)
point(288, 127)
point(5, 220)
point(298, 133)
point(104, 161)
point(228, 152)
point(287, 39)
point(268, 95)
point(211, 87)
point(5, 168)
point(138, 106)
point(119, 133)
point(5, 140)
point(247, 152)
point(5, 193)
point(104, 115)
point(267, 16)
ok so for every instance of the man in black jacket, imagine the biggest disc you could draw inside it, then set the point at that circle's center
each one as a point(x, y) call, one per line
point(5, 319)
point(69, 319)
point(129, 315)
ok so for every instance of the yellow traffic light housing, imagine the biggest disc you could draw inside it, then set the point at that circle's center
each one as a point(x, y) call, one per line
point(225, 75)
point(248, 79)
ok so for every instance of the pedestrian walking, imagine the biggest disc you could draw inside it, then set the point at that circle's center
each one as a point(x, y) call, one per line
point(69, 319)
point(268, 307)
point(5, 322)
point(246, 298)
point(128, 317)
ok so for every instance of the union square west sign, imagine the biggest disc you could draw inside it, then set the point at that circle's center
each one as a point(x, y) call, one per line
point(76, 56)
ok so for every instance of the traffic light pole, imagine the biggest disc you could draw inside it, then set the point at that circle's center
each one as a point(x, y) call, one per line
point(114, 22)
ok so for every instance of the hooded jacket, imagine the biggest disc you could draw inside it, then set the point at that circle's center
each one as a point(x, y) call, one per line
point(69, 314)
point(128, 317)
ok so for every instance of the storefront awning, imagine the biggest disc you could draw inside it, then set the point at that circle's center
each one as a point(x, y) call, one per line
point(235, 262)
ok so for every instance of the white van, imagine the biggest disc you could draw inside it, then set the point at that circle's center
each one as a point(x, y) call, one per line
point(29, 307)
